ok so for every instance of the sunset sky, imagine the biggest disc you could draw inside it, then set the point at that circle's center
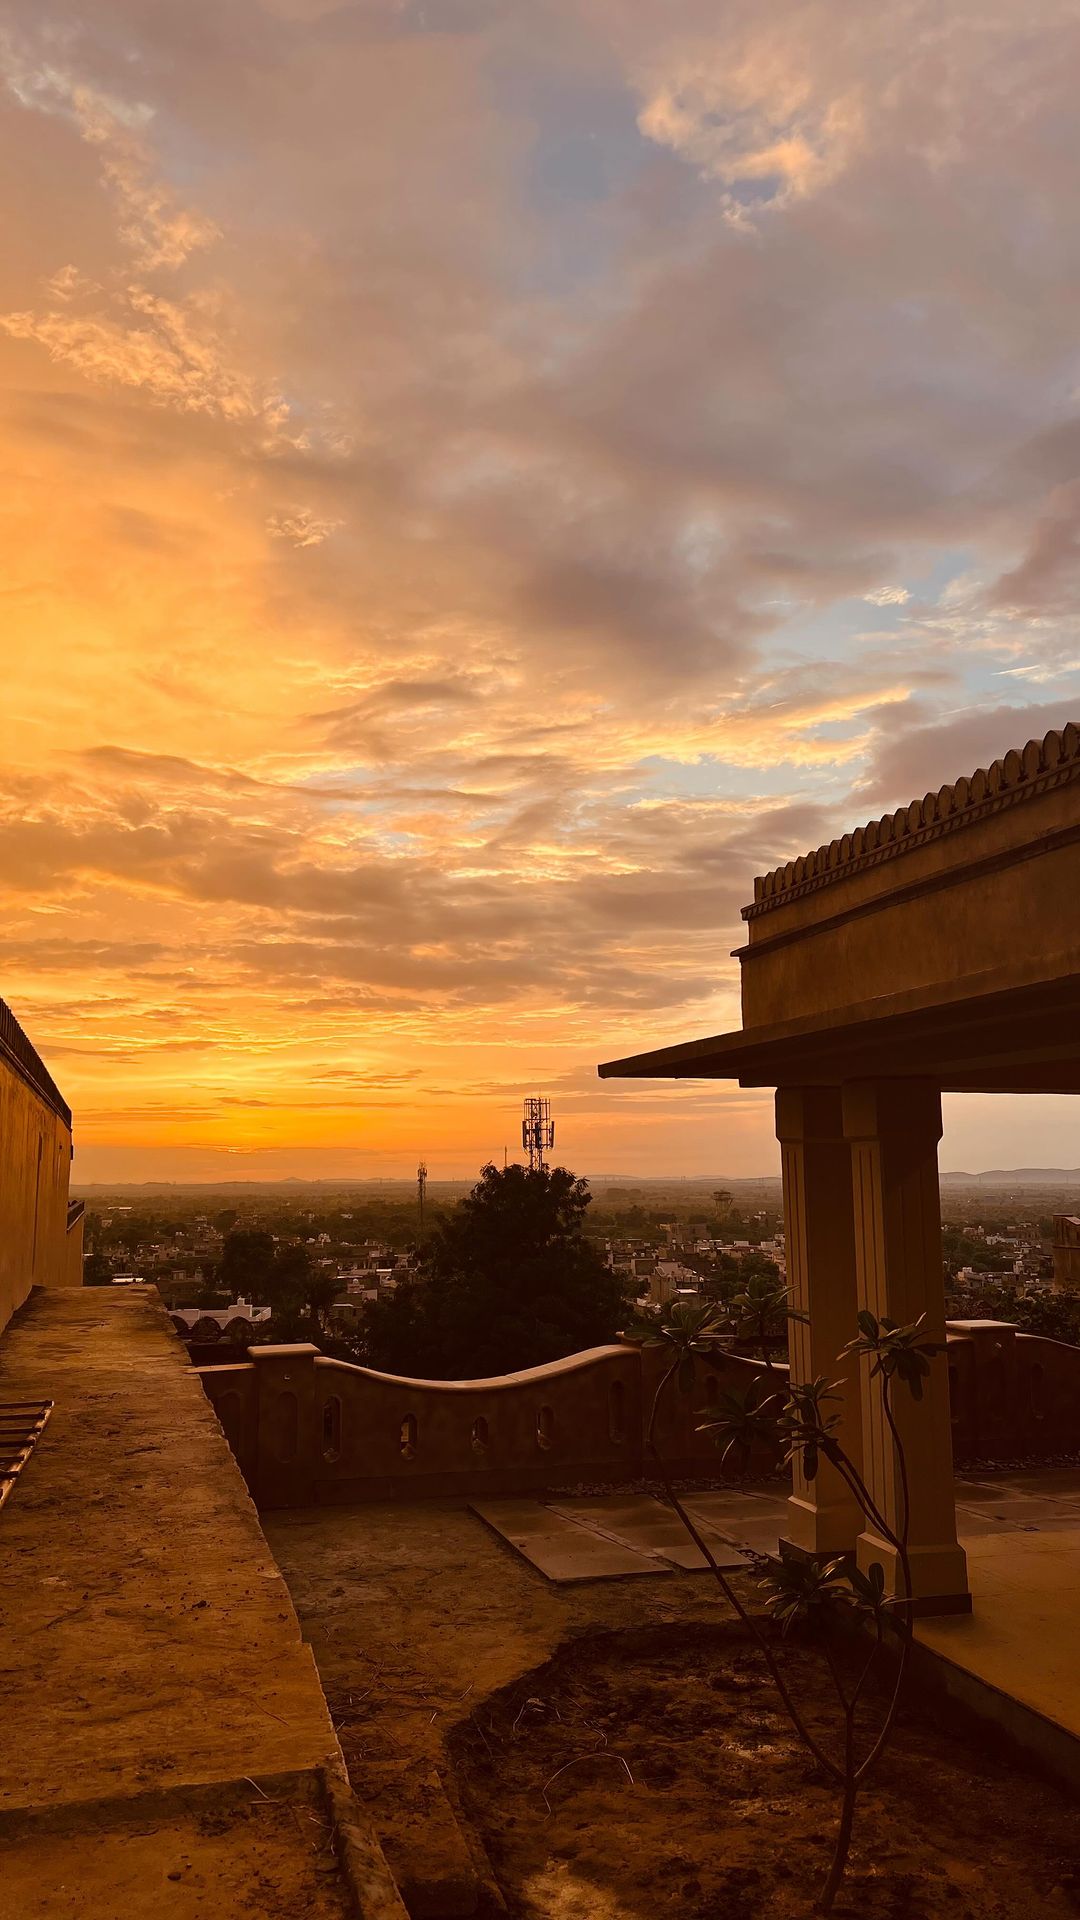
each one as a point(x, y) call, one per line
point(482, 480)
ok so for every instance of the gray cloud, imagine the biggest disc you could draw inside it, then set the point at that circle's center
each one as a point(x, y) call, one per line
point(922, 761)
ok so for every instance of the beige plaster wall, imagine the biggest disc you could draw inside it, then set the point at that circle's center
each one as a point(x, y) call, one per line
point(990, 905)
point(35, 1167)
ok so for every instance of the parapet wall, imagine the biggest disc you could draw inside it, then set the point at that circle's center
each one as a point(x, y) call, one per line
point(310, 1431)
point(1014, 1396)
point(35, 1166)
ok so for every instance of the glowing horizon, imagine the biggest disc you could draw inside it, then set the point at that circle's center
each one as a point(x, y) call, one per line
point(484, 482)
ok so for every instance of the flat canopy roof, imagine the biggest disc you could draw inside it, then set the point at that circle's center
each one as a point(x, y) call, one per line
point(1023, 1040)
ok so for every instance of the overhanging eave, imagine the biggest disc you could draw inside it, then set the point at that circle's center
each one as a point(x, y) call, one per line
point(1023, 1040)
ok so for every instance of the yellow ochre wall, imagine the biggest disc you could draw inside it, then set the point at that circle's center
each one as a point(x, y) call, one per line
point(35, 1167)
point(985, 900)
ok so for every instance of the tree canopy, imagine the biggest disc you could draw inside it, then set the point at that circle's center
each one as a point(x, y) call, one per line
point(508, 1280)
point(276, 1274)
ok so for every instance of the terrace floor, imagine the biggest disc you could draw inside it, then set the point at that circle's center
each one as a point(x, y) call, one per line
point(416, 1613)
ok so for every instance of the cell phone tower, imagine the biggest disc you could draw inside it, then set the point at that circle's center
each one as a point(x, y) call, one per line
point(537, 1131)
point(421, 1189)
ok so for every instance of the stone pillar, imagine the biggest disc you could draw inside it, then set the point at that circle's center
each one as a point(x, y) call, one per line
point(824, 1518)
point(894, 1127)
point(287, 1454)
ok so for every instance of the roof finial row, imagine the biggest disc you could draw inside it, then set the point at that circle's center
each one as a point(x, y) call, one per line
point(961, 797)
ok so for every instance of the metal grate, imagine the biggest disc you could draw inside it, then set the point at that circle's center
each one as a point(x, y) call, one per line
point(22, 1423)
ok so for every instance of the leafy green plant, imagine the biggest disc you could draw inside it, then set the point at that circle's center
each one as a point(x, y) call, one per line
point(803, 1594)
point(760, 1309)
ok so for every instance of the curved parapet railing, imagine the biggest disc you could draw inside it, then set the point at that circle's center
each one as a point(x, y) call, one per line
point(307, 1430)
point(310, 1430)
point(400, 1435)
point(493, 1383)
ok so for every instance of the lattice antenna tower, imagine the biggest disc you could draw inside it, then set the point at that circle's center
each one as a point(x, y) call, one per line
point(421, 1189)
point(537, 1131)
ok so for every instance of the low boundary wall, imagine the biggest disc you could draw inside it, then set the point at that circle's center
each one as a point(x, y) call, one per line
point(1013, 1395)
point(311, 1431)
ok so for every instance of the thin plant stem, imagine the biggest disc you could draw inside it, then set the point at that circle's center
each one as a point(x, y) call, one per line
point(854, 1480)
point(901, 1543)
point(856, 1484)
point(823, 1759)
point(830, 1662)
point(851, 1773)
point(847, 1816)
point(873, 1654)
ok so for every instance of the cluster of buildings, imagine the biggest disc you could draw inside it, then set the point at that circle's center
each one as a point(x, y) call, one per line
point(1019, 1254)
point(681, 1263)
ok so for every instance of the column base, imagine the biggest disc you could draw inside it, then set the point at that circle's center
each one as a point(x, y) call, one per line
point(938, 1575)
point(821, 1531)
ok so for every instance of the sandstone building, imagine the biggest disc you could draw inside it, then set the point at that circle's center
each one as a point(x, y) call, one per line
point(41, 1233)
point(934, 950)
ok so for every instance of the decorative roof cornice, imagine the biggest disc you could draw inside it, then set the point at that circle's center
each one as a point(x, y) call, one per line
point(1041, 765)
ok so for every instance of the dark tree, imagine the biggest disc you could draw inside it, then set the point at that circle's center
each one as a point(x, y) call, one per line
point(1056, 1316)
point(297, 1291)
point(247, 1257)
point(97, 1270)
point(508, 1280)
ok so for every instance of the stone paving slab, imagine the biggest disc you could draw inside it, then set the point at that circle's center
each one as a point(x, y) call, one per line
point(560, 1548)
point(637, 1520)
point(756, 1525)
point(1027, 1511)
point(976, 1492)
point(1046, 1481)
point(972, 1523)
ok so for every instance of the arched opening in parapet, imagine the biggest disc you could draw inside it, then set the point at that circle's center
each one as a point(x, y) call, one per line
point(407, 1439)
point(545, 1428)
point(480, 1437)
point(332, 1428)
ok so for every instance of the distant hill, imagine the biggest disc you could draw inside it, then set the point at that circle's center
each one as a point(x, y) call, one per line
point(1018, 1177)
point(687, 1186)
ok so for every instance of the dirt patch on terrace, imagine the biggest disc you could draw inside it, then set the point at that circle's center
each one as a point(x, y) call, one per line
point(236, 1852)
point(726, 1817)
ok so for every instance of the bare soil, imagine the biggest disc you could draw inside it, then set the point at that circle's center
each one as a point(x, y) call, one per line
point(252, 1857)
point(685, 1791)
